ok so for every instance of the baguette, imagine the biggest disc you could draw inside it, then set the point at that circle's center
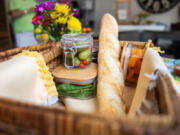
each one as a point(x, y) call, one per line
point(110, 77)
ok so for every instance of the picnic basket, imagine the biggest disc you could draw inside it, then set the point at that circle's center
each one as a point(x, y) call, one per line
point(19, 118)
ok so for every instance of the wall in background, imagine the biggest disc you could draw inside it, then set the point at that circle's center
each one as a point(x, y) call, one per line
point(166, 18)
point(108, 6)
point(102, 7)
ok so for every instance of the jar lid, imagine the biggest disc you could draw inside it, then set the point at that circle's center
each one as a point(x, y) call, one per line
point(76, 38)
point(76, 76)
point(177, 62)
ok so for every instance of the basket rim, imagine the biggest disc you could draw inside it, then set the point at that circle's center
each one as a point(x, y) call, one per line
point(111, 119)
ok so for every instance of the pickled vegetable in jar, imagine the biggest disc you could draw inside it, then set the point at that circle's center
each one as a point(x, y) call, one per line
point(78, 83)
point(132, 63)
point(77, 50)
point(76, 91)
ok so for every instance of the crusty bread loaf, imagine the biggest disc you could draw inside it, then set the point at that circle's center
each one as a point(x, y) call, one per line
point(110, 77)
point(109, 25)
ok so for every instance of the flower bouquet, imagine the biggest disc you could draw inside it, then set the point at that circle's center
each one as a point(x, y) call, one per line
point(53, 19)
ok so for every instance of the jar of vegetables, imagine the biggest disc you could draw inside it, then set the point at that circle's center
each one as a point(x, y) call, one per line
point(76, 91)
point(79, 83)
point(77, 50)
point(133, 57)
point(177, 68)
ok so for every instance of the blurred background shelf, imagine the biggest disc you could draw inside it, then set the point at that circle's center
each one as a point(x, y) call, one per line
point(169, 41)
point(152, 27)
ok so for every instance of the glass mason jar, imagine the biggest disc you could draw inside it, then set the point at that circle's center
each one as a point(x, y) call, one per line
point(77, 50)
point(177, 68)
point(132, 63)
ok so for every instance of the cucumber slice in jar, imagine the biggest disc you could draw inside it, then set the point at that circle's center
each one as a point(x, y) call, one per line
point(76, 62)
point(84, 55)
point(88, 60)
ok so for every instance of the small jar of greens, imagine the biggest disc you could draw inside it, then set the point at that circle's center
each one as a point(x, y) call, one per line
point(76, 91)
point(77, 50)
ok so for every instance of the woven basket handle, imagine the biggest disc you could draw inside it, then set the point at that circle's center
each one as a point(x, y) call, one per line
point(52, 54)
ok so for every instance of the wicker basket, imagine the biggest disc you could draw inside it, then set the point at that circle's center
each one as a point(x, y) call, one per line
point(26, 119)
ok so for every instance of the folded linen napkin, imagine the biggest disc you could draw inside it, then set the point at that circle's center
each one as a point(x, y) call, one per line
point(152, 62)
point(25, 77)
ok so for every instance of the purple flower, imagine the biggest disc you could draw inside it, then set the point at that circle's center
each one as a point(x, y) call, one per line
point(40, 17)
point(36, 9)
point(56, 2)
point(48, 5)
point(67, 2)
point(72, 14)
point(76, 11)
point(34, 22)
point(39, 9)
point(64, 2)
point(42, 4)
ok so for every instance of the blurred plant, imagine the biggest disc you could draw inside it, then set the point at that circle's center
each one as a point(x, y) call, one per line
point(141, 17)
point(53, 19)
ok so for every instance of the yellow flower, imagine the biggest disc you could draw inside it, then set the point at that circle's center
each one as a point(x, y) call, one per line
point(74, 24)
point(61, 33)
point(62, 20)
point(54, 15)
point(37, 30)
point(63, 9)
point(44, 37)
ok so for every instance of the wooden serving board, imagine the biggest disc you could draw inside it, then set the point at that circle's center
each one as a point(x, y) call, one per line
point(75, 76)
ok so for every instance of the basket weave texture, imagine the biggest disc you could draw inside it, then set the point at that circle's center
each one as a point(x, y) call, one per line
point(18, 118)
point(50, 51)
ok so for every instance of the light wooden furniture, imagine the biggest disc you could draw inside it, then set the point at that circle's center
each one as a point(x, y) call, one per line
point(123, 11)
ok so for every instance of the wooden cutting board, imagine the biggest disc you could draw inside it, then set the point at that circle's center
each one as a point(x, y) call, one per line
point(75, 76)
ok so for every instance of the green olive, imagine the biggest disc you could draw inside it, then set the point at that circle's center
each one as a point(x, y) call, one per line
point(84, 54)
point(88, 60)
point(69, 55)
point(76, 62)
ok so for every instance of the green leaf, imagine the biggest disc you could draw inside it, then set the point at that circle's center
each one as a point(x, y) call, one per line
point(75, 31)
point(52, 38)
